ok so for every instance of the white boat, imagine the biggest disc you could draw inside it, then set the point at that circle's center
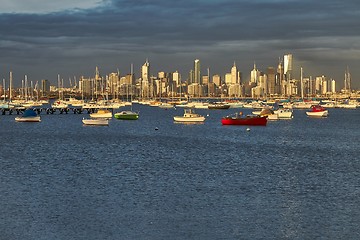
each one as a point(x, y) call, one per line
point(96, 121)
point(189, 116)
point(165, 105)
point(60, 104)
point(28, 116)
point(101, 113)
point(284, 113)
point(317, 111)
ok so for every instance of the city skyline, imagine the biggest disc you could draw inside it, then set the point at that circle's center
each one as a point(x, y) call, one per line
point(44, 39)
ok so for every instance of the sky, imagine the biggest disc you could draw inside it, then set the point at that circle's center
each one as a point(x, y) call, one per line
point(41, 38)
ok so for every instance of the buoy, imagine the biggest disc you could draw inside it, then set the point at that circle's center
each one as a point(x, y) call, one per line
point(248, 129)
point(207, 115)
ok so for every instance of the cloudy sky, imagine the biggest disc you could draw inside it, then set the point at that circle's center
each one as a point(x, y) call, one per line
point(42, 38)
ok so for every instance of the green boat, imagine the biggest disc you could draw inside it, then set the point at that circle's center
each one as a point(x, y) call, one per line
point(127, 115)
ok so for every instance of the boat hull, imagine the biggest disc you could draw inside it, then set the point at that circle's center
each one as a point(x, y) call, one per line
point(28, 119)
point(97, 122)
point(126, 116)
point(318, 114)
point(251, 121)
point(218, 106)
point(189, 119)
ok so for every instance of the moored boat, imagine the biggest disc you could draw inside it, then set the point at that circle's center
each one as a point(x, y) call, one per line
point(189, 116)
point(101, 113)
point(317, 111)
point(218, 106)
point(127, 115)
point(239, 119)
point(284, 113)
point(96, 121)
point(29, 115)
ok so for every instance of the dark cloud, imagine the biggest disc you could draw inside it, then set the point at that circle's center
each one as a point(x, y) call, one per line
point(321, 35)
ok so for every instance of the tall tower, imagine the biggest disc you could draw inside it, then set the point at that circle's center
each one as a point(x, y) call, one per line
point(254, 75)
point(197, 74)
point(234, 74)
point(145, 71)
point(288, 66)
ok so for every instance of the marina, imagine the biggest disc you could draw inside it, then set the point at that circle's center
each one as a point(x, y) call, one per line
point(154, 179)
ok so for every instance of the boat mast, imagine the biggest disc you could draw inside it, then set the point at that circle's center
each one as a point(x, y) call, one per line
point(4, 90)
point(10, 87)
point(301, 82)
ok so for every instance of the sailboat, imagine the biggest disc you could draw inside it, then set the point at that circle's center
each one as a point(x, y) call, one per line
point(28, 116)
point(126, 114)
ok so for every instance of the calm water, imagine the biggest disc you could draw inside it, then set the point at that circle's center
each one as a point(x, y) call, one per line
point(293, 179)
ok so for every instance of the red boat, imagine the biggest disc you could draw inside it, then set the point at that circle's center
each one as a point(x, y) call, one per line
point(237, 119)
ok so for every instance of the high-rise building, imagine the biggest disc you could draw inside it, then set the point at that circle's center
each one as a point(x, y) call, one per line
point(333, 86)
point(271, 80)
point(197, 72)
point(228, 78)
point(288, 61)
point(176, 77)
point(45, 87)
point(216, 79)
point(234, 75)
point(254, 75)
point(145, 71)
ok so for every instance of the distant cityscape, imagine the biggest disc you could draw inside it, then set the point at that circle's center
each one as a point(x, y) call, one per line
point(273, 83)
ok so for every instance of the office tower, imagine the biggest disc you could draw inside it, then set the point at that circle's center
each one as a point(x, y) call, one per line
point(45, 87)
point(254, 75)
point(145, 71)
point(216, 79)
point(197, 73)
point(347, 80)
point(271, 80)
point(288, 66)
point(176, 77)
point(333, 86)
point(234, 75)
point(228, 78)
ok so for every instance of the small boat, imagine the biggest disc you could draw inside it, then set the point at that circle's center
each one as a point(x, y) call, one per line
point(189, 116)
point(219, 106)
point(101, 113)
point(165, 105)
point(239, 119)
point(96, 121)
point(29, 115)
point(284, 113)
point(127, 115)
point(317, 111)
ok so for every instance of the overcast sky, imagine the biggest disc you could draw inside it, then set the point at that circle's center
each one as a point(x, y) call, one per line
point(42, 38)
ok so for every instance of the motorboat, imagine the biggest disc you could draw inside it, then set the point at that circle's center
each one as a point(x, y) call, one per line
point(127, 115)
point(96, 121)
point(317, 111)
point(60, 104)
point(189, 116)
point(284, 113)
point(29, 115)
point(239, 119)
point(219, 106)
point(101, 113)
point(165, 105)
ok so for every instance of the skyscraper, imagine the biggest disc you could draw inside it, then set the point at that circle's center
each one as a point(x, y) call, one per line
point(234, 75)
point(254, 75)
point(145, 71)
point(197, 73)
point(288, 66)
